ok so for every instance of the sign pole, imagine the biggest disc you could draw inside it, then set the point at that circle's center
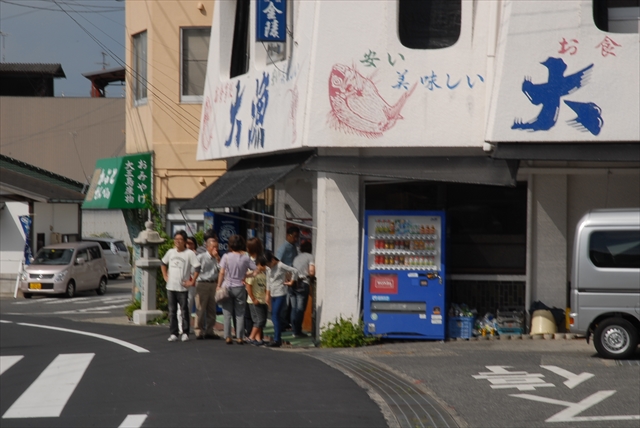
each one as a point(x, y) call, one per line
point(15, 290)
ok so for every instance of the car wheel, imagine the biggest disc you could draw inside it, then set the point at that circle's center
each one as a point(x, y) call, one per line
point(615, 338)
point(102, 288)
point(27, 295)
point(71, 290)
point(114, 275)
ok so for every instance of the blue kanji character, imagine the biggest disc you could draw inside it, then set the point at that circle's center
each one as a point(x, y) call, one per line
point(430, 81)
point(402, 83)
point(235, 122)
point(549, 94)
point(258, 110)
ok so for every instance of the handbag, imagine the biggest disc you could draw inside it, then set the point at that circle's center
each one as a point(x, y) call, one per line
point(222, 294)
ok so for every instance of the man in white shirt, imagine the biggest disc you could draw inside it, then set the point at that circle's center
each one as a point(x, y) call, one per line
point(177, 265)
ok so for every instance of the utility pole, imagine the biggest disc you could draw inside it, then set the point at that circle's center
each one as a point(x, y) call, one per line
point(4, 36)
point(104, 62)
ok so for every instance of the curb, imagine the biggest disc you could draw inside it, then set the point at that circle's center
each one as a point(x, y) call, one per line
point(515, 337)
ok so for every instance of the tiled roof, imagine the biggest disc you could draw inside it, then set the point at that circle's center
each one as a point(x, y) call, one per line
point(11, 164)
point(53, 70)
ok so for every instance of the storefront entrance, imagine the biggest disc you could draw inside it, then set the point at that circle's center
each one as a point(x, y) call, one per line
point(486, 236)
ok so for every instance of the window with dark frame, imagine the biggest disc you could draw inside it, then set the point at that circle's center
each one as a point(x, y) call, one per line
point(193, 62)
point(240, 47)
point(615, 249)
point(433, 24)
point(140, 67)
point(617, 16)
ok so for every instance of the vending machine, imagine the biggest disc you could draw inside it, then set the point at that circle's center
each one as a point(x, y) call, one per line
point(404, 281)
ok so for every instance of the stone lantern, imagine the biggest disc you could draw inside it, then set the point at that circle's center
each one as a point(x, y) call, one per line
point(149, 240)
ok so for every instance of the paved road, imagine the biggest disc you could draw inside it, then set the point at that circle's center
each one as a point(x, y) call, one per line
point(541, 383)
point(484, 383)
point(54, 377)
point(86, 306)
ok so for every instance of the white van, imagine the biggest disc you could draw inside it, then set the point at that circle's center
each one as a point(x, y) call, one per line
point(605, 281)
point(116, 254)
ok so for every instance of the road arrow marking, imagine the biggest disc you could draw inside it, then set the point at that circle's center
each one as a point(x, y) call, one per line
point(573, 380)
point(573, 409)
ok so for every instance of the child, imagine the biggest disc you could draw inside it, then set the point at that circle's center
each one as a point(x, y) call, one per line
point(256, 288)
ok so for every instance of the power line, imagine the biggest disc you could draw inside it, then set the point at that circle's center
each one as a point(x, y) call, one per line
point(155, 91)
point(114, 9)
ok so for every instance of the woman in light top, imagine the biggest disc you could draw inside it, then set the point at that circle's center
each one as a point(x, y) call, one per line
point(233, 271)
point(279, 277)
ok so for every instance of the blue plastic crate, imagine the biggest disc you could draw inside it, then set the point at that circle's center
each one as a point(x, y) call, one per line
point(461, 327)
point(509, 330)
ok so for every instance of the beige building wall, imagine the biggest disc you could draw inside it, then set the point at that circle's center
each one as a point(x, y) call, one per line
point(62, 135)
point(166, 125)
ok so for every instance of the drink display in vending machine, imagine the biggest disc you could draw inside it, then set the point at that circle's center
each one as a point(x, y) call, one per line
point(404, 287)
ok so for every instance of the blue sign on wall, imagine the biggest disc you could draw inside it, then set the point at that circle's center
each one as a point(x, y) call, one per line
point(271, 21)
point(225, 227)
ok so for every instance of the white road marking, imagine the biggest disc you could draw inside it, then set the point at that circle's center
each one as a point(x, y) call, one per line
point(6, 361)
point(49, 393)
point(91, 309)
point(500, 378)
point(86, 333)
point(573, 409)
point(6, 322)
point(133, 421)
point(573, 379)
point(63, 300)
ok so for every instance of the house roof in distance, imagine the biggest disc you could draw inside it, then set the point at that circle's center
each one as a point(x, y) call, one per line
point(23, 70)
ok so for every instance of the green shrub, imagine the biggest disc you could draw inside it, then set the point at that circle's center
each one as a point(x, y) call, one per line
point(344, 333)
point(133, 306)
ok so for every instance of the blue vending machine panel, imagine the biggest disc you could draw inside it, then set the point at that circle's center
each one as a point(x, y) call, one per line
point(404, 285)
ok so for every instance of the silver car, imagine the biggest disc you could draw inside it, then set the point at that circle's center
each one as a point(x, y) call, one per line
point(116, 253)
point(65, 269)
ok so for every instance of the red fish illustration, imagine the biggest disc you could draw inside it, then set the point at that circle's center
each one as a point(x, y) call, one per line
point(357, 106)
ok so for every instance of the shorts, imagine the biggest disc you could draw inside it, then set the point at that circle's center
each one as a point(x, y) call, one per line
point(259, 314)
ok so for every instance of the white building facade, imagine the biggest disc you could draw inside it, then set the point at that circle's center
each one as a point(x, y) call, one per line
point(518, 116)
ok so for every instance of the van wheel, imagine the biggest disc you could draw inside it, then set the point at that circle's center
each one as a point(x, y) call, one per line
point(102, 288)
point(27, 295)
point(615, 338)
point(71, 290)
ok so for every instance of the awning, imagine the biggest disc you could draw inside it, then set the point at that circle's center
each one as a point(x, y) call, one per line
point(603, 152)
point(15, 183)
point(475, 170)
point(121, 183)
point(246, 179)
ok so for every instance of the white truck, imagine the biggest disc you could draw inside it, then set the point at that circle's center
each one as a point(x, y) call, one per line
point(605, 281)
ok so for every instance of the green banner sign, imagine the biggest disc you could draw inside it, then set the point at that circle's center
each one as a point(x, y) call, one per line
point(119, 183)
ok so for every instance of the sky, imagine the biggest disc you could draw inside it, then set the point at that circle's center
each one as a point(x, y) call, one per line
point(38, 31)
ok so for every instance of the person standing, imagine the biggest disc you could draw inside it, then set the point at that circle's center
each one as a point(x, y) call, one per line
point(305, 265)
point(177, 266)
point(206, 290)
point(233, 270)
point(277, 284)
point(208, 234)
point(192, 244)
point(288, 251)
point(256, 289)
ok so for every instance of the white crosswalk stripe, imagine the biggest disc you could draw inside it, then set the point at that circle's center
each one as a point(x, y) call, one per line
point(49, 393)
point(77, 300)
point(6, 361)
